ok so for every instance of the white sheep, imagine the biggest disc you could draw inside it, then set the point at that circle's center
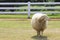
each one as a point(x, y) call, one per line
point(39, 22)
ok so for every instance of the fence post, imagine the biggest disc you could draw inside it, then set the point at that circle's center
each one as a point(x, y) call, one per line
point(28, 10)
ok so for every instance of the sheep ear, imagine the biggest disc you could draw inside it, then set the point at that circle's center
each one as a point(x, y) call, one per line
point(39, 20)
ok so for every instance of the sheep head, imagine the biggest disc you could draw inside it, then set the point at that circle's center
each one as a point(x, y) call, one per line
point(42, 18)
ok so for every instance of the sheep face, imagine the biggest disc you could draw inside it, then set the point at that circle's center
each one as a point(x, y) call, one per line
point(42, 19)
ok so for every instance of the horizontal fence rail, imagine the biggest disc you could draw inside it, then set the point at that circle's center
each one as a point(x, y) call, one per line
point(46, 8)
point(29, 8)
point(46, 12)
point(12, 8)
point(46, 3)
point(13, 3)
point(12, 12)
point(30, 3)
point(26, 12)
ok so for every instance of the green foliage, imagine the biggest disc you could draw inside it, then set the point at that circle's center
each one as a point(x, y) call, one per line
point(50, 0)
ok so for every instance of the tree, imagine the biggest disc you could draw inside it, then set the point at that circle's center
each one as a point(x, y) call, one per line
point(38, 0)
point(57, 0)
point(50, 0)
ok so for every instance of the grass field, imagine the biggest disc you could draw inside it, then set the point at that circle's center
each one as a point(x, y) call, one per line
point(22, 30)
point(25, 16)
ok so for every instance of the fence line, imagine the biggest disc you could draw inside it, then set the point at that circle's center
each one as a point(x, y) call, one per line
point(14, 3)
point(17, 3)
point(12, 8)
point(52, 3)
point(29, 8)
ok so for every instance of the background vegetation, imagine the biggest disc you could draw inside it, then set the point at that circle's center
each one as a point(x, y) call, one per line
point(30, 0)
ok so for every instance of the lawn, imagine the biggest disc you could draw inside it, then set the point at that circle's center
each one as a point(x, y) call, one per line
point(22, 30)
point(26, 16)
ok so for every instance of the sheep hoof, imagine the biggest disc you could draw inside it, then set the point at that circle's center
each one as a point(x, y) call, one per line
point(39, 35)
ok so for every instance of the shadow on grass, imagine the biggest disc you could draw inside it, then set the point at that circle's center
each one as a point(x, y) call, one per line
point(39, 37)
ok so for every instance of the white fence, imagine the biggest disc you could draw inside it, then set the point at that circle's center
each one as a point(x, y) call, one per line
point(29, 8)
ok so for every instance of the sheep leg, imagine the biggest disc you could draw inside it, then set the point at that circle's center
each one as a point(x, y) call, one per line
point(41, 32)
point(38, 33)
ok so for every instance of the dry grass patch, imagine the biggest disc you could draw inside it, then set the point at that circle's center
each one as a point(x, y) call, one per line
point(27, 34)
point(22, 30)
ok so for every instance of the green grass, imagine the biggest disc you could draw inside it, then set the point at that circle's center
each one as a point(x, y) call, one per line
point(22, 30)
point(54, 24)
point(54, 15)
point(15, 24)
point(25, 16)
point(13, 16)
point(25, 24)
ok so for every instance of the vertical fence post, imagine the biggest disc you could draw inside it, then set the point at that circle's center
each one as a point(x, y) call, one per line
point(28, 10)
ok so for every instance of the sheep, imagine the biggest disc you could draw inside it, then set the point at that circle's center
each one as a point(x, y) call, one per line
point(39, 22)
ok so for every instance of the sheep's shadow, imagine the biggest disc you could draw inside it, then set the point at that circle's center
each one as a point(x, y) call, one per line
point(39, 37)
